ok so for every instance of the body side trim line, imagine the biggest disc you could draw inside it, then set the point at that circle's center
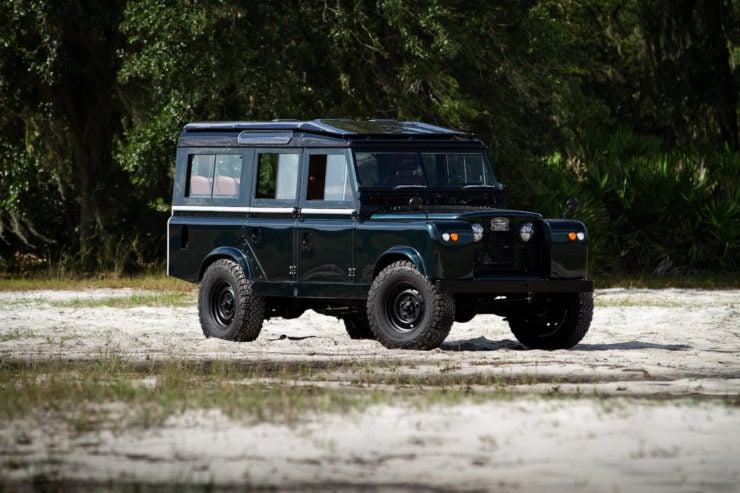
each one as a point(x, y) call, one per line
point(250, 210)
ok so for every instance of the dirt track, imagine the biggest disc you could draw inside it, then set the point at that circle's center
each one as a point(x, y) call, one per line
point(650, 387)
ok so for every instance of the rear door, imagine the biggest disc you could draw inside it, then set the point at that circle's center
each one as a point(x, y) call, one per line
point(271, 230)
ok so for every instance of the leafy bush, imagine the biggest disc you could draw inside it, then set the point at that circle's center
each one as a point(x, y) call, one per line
point(649, 209)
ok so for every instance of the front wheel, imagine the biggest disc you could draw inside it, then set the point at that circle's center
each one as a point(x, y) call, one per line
point(406, 311)
point(560, 322)
point(358, 327)
point(227, 306)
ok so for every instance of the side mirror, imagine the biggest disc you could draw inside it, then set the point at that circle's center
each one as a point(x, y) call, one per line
point(571, 206)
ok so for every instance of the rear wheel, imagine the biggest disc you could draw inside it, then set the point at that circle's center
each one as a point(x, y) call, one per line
point(560, 323)
point(227, 306)
point(406, 311)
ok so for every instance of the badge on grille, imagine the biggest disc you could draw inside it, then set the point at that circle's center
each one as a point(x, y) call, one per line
point(499, 224)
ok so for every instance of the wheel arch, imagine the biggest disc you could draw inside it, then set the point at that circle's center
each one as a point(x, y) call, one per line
point(227, 253)
point(400, 253)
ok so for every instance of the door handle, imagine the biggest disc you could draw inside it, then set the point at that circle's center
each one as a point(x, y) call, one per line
point(306, 243)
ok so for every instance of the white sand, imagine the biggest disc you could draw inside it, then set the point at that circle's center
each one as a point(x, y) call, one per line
point(646, 412)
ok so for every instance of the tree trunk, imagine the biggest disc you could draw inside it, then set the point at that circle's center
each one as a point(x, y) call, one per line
point(717, 17)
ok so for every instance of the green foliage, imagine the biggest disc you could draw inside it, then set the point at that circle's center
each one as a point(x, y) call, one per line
point(650, 209)
point(94, 95)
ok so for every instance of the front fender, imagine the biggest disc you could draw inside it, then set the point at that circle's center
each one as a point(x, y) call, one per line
point(568, 257)
point(397, 253)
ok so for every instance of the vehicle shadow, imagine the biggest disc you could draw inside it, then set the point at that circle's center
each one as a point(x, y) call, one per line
point(283, 337)
point(485, 344)
point(481, 344)
point(631, 346)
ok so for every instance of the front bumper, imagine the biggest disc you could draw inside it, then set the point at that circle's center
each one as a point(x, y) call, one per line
point(501, 286)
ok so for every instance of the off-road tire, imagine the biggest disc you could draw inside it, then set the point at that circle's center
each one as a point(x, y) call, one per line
point(561, 324)
point(358, 327)
point(406, 311)
point(227, 306)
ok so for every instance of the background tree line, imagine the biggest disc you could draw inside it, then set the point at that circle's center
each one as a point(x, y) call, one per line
point(630, 105)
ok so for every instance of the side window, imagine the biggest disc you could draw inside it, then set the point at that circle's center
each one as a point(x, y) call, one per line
point(200, 173)
point(328, 178)
point(214, 176)
point(277, 176)
point(227, 176)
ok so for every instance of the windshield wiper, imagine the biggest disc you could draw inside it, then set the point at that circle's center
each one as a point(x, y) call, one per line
point(479, 186)
point(408, 186)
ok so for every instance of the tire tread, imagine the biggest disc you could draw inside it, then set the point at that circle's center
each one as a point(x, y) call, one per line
point(251, 306)
point(442, 306)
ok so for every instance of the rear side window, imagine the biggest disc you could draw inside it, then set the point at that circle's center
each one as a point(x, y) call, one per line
point(214, 176)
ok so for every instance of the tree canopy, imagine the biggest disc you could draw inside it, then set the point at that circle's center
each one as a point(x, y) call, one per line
point(93, 96)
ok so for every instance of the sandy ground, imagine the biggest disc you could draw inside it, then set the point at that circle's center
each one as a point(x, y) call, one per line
point(651, 409)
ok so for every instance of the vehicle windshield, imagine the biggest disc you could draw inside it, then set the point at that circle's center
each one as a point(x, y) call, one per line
point(391, 170)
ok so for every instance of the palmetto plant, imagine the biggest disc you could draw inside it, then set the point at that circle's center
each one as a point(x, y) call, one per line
point(650, 209)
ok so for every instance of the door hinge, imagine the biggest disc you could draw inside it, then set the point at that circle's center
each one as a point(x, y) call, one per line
point(352, 272)
point(293, 271)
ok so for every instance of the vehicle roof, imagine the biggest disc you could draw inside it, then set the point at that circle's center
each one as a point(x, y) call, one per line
point(338, 132)
point(336, 127)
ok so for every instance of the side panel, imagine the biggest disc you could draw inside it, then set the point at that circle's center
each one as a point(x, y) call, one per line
point(271, 236)
point(374, 238)
point(204, 219)
point(193, 237)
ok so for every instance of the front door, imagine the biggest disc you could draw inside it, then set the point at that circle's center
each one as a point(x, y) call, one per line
point(325, 228)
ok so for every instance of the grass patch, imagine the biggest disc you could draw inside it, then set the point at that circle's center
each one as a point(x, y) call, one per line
point(650, 281)
point(88, 395)
point(166, 298)
point(16, 334)
point(638, 301)
point(112, 393)
point(145, 282)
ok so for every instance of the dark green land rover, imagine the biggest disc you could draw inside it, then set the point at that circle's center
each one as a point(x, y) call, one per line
point(397, 228)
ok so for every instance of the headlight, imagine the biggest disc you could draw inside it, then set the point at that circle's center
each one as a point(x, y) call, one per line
point(526, 232)
point(477, 232)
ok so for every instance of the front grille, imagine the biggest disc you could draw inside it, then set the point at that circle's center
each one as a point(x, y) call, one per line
point(498, 250)
point(501, 252)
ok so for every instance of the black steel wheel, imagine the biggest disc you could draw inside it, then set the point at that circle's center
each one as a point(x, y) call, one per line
point(406, 311)
point(227, 306)
point(559, 321)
